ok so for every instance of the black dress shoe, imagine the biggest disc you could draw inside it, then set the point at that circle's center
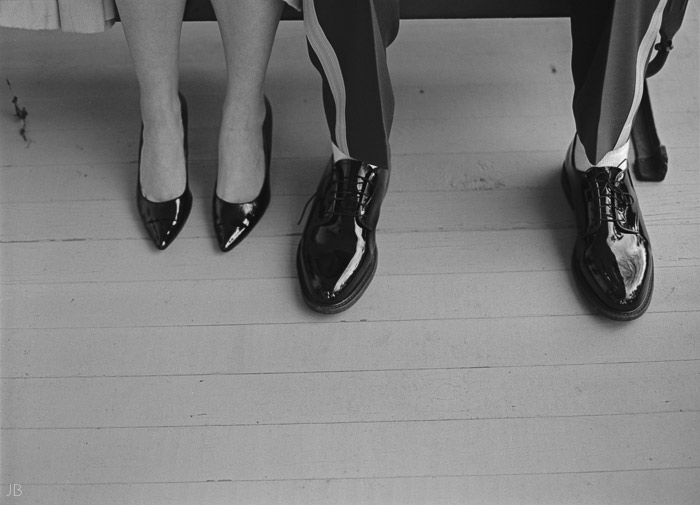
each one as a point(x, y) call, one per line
point(233, 221)
point(612, 261)
point(164, 220)
point(337, 256)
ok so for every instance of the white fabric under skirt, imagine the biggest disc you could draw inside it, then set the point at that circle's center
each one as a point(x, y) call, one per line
point(82, 16)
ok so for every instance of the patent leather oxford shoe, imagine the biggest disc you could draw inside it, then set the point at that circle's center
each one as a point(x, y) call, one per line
point(164, 220)
point(337, 255)
point(234, 221)
point(612, 260)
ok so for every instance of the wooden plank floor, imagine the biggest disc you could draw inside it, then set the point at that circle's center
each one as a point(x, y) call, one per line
point(470, 372)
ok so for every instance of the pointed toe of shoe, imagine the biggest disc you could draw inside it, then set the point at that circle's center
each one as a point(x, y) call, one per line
point(229, 237)
point(164, 220)
point(234, 221)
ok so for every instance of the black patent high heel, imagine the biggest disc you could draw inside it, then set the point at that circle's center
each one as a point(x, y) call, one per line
point(233, 221)
point(164, 220)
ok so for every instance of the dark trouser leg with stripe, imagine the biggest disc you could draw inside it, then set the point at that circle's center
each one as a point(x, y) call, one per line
point(347, 44)
point(612, 260)
point(612, 41)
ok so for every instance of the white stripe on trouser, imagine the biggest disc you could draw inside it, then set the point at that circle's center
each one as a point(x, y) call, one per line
point(642, 57)
point(331, 68)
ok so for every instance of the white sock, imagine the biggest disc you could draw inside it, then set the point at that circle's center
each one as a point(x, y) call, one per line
point(615, 158)
point(338, 154)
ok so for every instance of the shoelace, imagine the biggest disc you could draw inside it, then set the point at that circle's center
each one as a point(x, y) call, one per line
point(351, 202)
point(611, 196)
point(344, 203)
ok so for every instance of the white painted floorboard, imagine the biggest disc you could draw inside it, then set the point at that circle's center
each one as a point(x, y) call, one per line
point(471, 371)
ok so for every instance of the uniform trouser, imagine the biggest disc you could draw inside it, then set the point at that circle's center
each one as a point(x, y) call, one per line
point(612, 42)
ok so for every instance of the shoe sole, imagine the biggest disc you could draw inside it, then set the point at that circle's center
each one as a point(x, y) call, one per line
point(347, 302)
point(583, 286)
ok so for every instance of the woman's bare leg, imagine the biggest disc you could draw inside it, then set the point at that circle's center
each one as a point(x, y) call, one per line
point(152, 31)
point(248, 30)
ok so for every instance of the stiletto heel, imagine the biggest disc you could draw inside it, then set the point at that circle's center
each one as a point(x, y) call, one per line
point(233, 221)
point(164, 220)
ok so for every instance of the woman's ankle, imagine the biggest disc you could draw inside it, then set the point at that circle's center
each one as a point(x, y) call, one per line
point(241, 160)
point(163, 108)
point(163, 165)
point(243, 110)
